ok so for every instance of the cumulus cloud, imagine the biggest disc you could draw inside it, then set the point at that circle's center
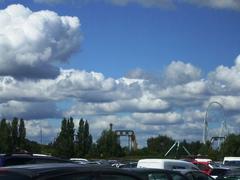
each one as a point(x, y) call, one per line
point(225, 80)
point(180, 73)
point(159, 118)
point(141, 104)
point(230, 103)
point(136, 103)
point(37, 128)
point(31, 42)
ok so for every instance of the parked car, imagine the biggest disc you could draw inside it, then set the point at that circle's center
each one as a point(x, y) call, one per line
point(195, 175)
point(232, 174)
point(157, 174)
point(20, 159)
point(204, 166)
point(231, 161)
point(64, 171)
point(219, 172)
point(166, 164)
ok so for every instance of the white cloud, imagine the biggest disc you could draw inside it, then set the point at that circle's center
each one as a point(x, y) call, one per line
point(143, 105)
point(180, 73)
point(30, 42)
point(159, 118)
point(140, 104)
point(229, 103)
point(34, 128)
point(186, 95)
point(225, 80)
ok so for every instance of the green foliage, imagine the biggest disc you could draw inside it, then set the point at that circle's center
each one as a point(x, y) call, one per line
point(80, 139)
point(159, 145)
point(14, 133)
point(63, 146)
point(83, 139)
point(22, 135)
point(13, 136)
point(231, 146)
point(6, 140)
point(108, 144)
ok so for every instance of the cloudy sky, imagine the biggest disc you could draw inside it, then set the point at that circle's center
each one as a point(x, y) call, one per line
point(152, 66)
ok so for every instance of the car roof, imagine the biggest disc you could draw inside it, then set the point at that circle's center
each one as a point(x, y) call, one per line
point(38, 170)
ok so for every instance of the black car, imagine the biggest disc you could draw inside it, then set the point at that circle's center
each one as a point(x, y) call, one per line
point(157, 174)
point(64, 171)
point(195, 175)
point(20, 159)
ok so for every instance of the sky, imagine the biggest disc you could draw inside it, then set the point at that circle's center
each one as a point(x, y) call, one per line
point(152, 66)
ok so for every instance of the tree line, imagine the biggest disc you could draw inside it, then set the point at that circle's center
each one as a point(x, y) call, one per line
point(72, 142)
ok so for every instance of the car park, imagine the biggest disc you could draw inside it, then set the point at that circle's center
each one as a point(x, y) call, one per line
point(63, 171)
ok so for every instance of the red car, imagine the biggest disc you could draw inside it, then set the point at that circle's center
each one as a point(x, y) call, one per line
point(204, 166)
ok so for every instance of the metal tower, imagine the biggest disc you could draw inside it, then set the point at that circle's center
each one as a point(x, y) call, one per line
point(223, 130)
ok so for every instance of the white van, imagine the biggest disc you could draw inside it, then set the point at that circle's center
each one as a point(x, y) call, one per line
point(170, 164)
point(231, 161)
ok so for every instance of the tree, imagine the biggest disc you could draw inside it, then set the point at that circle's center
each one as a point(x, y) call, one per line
point(22, 135)
point(14, 133)
point(61, 145)
point(84, 139)
point(87, 139)
point(80, 139)
point(108, 144)
point(231, 146)
point(6, 141)
point(70, 136)
point(159, 145)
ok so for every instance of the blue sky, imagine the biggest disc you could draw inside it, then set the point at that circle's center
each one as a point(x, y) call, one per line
point(146, 65)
